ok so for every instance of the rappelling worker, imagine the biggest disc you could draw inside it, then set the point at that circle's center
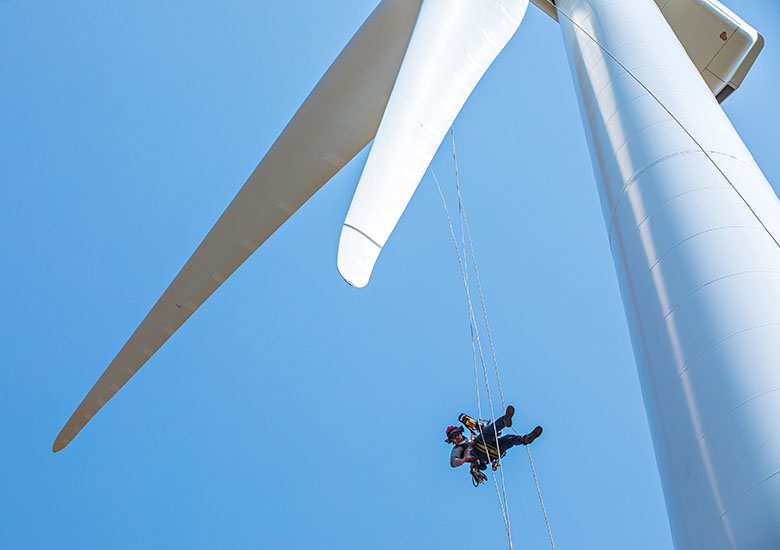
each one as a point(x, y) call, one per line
point(483, 448)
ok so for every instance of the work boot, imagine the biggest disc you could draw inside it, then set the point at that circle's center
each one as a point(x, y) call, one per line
point(529, 437)
point(510, 411)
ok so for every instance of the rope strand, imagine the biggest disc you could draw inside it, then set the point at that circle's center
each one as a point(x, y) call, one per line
point(476, 271)
point(464, 224)
point(539, 492)
point(476, 345)
point(472, 327)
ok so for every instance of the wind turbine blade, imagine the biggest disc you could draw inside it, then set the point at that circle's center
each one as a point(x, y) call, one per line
point(453, 44)
point(337, 120)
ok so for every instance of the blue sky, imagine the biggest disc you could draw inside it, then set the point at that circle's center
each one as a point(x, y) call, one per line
point(292, 410)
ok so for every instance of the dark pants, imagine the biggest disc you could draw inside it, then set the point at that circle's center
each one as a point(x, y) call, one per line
point(488, 436)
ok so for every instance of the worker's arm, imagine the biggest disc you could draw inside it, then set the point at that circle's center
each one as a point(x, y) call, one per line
point(459, 455)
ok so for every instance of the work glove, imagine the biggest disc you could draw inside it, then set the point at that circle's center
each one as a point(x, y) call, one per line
point(470, 459)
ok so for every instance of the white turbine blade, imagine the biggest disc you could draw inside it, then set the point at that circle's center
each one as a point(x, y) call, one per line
point(453, 44)
point(336, 121)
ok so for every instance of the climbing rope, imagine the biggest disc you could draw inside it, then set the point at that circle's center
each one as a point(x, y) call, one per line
point(465, 232)
point(476, 271)
point(539, 492)
point(476, 345)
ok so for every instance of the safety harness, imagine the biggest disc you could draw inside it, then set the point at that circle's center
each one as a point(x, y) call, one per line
point(477, 443)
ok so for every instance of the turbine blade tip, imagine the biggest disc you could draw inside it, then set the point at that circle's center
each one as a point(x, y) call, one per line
point(356, 257)
point(59, 444)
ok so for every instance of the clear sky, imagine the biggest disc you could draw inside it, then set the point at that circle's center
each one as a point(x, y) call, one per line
point(293, 411)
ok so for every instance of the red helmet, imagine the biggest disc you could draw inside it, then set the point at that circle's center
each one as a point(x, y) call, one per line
point(453, 432)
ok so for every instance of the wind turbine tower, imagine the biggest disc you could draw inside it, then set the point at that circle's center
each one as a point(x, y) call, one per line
point(693, 227)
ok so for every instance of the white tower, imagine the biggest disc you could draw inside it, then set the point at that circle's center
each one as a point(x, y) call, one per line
point(699, 270)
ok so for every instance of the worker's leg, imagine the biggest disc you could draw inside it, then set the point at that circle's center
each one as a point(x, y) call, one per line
point(490, 431)
point(509, 441)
